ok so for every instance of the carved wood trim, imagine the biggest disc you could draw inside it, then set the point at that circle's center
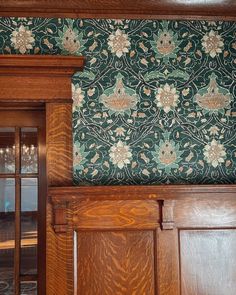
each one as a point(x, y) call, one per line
point(60, 222)
point(149, 9)
point(37, 78)
point(168, 214)
point(169, 196)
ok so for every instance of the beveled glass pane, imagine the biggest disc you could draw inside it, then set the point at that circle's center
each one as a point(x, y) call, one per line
point(29, 233)
point(7, 235)
point(7, 150)
point(28, 288)
point(29, 150)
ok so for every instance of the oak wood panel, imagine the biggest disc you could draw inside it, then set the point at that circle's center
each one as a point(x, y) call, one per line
point(120, 8)
point(59, 171)
point(120, 263)
point(116, 215)
point(145, 192)
point(168, 262)
point(59, 143)
point(37, 78)
point(35, 89)
point(59, 259)
point(208, 260)
point(216, 212)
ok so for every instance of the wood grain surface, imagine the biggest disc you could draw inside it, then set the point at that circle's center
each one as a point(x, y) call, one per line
point(123, 249)
point(116, 215)
point(111, 263)
point(208, 260)
point(37, 78)
point(59, 143)
point(120, 8)
point(59, 171)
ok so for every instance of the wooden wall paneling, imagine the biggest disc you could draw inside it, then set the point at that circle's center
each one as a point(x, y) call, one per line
point(208, 260)
point(115, 223)
point(218, 211)
point(101, 215)
point(120, 9)
point(116, 246)
point(116, 262)
point(59, 171)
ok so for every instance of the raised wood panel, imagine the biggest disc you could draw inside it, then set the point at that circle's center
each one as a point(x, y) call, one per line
point(120, 263)
point(208, 260)
point(116, 215)
point(120, 9)
point(187, 228)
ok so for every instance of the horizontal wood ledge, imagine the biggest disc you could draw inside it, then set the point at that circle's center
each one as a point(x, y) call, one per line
point(146, 192)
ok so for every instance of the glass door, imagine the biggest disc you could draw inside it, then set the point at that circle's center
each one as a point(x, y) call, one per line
point(22, 203)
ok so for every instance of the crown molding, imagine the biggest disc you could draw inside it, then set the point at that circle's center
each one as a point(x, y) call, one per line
point(149, 9)
point(37, 78)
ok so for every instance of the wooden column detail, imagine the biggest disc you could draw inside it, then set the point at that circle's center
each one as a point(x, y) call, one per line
point(168, 214)
point(59, 144)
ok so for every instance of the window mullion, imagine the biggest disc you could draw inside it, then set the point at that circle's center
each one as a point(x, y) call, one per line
point(17, 212)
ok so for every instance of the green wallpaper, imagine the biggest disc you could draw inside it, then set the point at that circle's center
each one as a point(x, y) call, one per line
point(156, 102)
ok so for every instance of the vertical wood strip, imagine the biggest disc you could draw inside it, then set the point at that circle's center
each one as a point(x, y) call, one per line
point(59, 173)
point(59, 144)
point(17, 212)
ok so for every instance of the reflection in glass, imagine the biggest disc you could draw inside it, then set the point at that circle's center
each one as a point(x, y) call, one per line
point(29, 207)
point(29, 150)
point(7, 150)
point(7, 235)
point(28, 288)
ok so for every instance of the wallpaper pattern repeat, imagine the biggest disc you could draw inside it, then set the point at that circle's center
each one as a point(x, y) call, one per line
point(156, 102)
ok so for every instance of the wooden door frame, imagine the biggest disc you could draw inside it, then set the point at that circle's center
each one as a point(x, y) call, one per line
point(34, 82)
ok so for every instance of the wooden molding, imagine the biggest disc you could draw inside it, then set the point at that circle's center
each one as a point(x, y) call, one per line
point(149, 9)
point(168, 214)
point(60, 217)
point(168, 197)
point(37, 78)
point(139, 192)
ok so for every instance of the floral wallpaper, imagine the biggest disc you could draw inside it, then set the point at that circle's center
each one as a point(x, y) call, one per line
point(156, 102)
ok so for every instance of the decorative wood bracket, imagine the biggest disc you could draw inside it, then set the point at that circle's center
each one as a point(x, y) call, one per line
point(168, 214)
point(60, 222)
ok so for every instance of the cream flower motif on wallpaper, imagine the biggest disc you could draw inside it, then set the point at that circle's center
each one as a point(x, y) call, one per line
point(214, 153)
point(212, 43)
point(22, 39)
point(70, 41)
point(120, 154)
point(213, 98)
point(77, 96)
point(214, 130)
point(79, 156)
point(120, 131)
point(167, 154)
point(119, 98)
point(167, 97)
point(165, 44)
point(119, 43)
